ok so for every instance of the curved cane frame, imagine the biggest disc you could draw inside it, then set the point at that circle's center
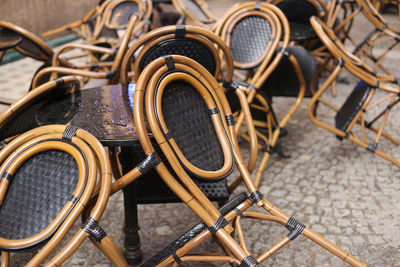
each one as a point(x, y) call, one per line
point(148, 92)
point(190, 16)
point(112, 68)
point(216, 46)
point(377, 81)
point(267, 61)
point(91, 158)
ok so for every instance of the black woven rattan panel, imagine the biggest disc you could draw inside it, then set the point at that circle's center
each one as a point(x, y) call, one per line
point(40, 189)
point(185, 47)
point(189, 122)
point(249, 39)
point(283, 81)
point(151, 188)
point(298, 10)
point(195, 9)
point(122, 12)
point(352, 105)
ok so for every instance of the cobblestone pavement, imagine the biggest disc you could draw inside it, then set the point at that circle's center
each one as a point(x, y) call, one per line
point(348, 195)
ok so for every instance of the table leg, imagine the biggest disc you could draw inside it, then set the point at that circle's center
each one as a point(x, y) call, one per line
point(132, 253)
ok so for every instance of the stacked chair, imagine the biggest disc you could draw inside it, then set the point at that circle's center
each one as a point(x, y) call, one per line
point(373, 99)
point(195, 12)
point(36, 214)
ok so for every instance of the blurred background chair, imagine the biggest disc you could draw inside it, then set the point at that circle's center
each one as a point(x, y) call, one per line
point(195, 12)
point(369, 105)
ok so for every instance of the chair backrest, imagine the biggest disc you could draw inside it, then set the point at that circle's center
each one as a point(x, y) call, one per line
point(20, 116)
point(301, 10)
point(253, 31)
point(194, 42)
point(47, 175)
point(196, 12)
point(31, 44)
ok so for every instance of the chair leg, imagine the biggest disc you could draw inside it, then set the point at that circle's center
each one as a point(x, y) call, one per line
point(132, 253)
point(5, 258)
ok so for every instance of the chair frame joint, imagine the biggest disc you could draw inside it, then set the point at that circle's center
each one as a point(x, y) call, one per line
point(93, 229)
point(249, 261)
point(149, 162)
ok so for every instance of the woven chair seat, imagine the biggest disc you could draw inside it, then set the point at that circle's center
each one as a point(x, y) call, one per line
point(283, 81)
point(301, 32)
point(31, 204)
point(192, 233)
point(122, 12)
point(185, 47)
point(352, 105)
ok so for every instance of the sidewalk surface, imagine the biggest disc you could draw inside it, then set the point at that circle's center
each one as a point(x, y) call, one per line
point(344, 193)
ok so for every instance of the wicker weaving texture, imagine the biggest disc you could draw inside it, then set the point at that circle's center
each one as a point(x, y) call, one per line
point(122, 12)
point(40, 189)
point(352, 105)
point(151, 188)
point(298, 10)
point(283, 81)
point(249, 39)
point(189, 122)
point(193, 7)
point(185, 47)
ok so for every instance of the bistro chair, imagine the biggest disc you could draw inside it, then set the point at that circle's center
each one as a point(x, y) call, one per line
point(177, 79)
point(369, 105)
point(107, 69)
point(200, 45)
point(48, 176)
point(258, 35)
point(298, 13)
point(195, 12)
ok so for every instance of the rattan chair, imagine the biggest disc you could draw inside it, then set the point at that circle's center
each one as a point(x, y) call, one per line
point(209, 155)
point(195, 12)
point(48, 176)
point(258, 35)
point(374, 97)
point(107, 68)
point(201, 45)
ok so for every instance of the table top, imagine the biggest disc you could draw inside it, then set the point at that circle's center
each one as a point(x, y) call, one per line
point(106, 112)
point(8, 39)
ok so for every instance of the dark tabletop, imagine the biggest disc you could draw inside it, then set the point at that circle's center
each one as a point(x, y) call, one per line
point(8, 39)
point(106, 112)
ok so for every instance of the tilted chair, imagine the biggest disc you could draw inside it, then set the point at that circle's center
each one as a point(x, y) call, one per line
point(374, 97)
point(195, 12)
point(258, 35)
point(177, 79)
point(201, 45)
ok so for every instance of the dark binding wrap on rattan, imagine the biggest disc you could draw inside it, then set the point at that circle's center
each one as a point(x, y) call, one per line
point(149, 162)
point(93, 229)
point(180, 31)
point(372, 147)
point(169, 61)
point(176, 258)
point(230, 85)
point(213, 111)
point(230, 120)
point(59, 82)
point(283, 51)
point(110, 74)
point(2, 144)
point(249, 261)
point(168, 135)
point(74, 199)
point(239, 212)
point(218, 224)
point(247, 85)
point(192, 233)
point(295, 227)
point(256, 196)
point(257, 6)
point(69, 132)
point(7, 176)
